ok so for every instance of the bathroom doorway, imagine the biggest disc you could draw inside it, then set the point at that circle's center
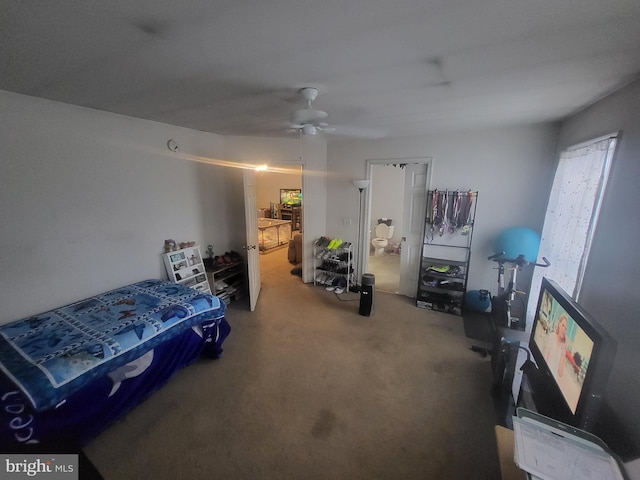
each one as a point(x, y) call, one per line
point(396, 198)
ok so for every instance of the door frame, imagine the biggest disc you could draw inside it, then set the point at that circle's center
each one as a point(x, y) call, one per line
point(250, 267)
point(366, 240)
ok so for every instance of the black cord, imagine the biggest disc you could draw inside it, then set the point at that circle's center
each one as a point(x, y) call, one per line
point(345, 299)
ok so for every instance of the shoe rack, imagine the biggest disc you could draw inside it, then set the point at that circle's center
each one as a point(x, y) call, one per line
point(227, 276)
point(332, 264)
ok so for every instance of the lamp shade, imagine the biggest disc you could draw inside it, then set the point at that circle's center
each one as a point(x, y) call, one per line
point(361, 184)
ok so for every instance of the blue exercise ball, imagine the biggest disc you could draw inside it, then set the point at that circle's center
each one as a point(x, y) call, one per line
point(477, 300)
point(518, 241)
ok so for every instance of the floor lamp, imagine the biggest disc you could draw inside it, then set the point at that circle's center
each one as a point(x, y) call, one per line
point(360, 185)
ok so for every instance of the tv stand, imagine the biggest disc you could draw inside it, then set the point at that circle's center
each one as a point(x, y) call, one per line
point(288, 212)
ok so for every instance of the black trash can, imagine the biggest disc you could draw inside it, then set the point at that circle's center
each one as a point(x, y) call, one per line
point(366, 294)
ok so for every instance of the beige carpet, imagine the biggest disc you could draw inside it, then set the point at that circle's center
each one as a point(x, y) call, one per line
point(308, 389)
point(386, 269)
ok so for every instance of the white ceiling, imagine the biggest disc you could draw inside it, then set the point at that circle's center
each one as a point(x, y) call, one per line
point(383, 67)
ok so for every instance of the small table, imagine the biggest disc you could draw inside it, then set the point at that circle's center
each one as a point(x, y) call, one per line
point(291, 213)
point(506, 444)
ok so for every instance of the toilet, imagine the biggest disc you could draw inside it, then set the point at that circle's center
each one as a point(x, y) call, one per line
point(383, 233)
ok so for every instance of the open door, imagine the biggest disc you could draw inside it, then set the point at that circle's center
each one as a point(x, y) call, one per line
point(415, 203)
point(251, 219)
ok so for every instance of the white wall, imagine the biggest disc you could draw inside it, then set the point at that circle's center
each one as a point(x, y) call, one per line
point(311, 152)
point(610, 289)
point(87, 199)
point(511, 168)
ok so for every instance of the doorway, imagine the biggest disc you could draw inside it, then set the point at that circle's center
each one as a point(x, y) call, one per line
point(278, 191)
point(396, 198)
point(386, 209)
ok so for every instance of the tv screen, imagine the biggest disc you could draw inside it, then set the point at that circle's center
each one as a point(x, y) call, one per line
point(291, 196)
point(574, 355)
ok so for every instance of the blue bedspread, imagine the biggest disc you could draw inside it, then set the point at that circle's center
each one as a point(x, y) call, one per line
point(54, 354)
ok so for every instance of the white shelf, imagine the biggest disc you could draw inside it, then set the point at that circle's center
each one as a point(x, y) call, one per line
point(185, 267)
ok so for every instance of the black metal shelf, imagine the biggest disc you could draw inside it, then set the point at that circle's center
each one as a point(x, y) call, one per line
point(450, 216)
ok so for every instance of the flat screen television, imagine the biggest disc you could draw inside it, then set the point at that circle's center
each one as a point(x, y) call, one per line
point(291, 197)
point(574, 355)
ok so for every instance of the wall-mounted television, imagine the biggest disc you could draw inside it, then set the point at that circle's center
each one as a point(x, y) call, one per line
point(291, 197)
point(574, 355)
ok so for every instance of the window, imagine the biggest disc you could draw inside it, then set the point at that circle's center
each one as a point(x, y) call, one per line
point(572, 214)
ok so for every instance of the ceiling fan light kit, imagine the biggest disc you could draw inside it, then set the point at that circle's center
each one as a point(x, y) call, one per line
point(309, 129)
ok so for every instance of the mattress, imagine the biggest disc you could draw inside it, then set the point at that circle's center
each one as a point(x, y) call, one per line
point(71, 371)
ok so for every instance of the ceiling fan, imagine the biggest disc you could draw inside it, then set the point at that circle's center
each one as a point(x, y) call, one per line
point(307, 121)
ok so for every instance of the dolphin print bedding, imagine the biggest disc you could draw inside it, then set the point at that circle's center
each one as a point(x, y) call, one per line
point(71, 371)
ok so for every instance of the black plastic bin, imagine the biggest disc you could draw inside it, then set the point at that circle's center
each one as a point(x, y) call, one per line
point(366, 294)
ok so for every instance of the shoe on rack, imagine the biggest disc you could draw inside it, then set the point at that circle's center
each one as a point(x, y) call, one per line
point(342, 284)
point(330, 287)
point(322, 241)
point(439, 268)
point(334, 284)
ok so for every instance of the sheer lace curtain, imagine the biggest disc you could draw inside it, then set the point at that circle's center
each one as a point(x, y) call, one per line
point(571, 216)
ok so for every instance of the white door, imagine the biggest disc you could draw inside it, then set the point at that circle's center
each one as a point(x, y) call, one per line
point(251, 219)
point(415, 203)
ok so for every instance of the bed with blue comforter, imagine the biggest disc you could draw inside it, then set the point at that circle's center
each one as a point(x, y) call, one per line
point(70, 372)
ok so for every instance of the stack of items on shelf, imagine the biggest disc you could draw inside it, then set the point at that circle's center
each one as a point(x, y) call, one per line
point(453, 271)
point(226, 276)
point(333, 266)
point(329, 244)
point(229, 258)
point(442, 285)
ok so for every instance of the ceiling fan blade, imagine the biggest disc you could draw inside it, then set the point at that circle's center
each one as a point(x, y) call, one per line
point(307, 115)
point(359, 132)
